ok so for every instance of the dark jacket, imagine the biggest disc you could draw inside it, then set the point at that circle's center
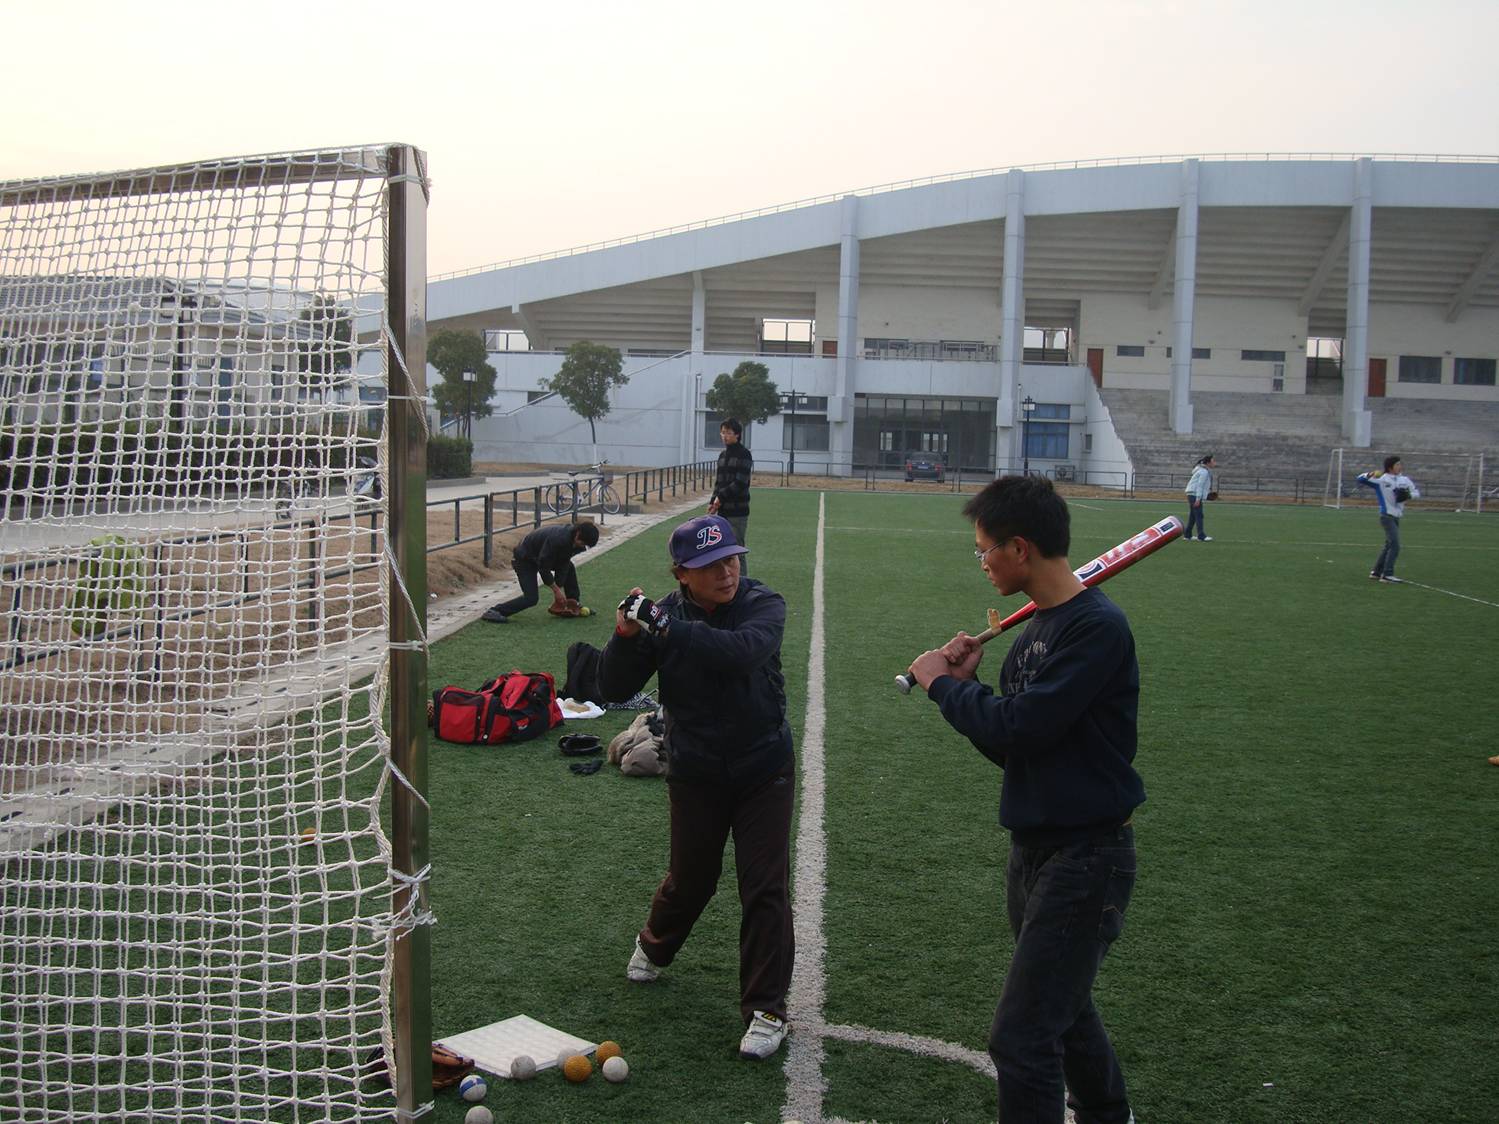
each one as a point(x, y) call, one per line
point(1064, 729)
point(731, 487)
point(720, 682)
point(550, 550)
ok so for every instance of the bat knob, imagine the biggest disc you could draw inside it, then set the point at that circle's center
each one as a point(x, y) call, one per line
point(903, 684)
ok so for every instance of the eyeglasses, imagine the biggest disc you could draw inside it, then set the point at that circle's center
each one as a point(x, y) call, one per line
point(982, 554)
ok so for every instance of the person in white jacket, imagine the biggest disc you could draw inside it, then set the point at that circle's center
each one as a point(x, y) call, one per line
point(1197, 494)
point(1392, 488)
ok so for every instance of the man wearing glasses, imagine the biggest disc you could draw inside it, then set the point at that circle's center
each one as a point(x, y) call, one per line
point(1063, 729)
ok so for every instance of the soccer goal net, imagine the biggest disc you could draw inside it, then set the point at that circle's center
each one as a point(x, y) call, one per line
point(196, 907)
point(1447, 481)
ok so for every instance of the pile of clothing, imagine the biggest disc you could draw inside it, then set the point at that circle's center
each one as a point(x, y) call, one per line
point(638, 748)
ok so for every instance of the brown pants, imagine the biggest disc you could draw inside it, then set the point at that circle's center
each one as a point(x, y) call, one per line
point(702, 817)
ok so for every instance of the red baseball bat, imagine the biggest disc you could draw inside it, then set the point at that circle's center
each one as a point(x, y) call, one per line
point(1101, 569)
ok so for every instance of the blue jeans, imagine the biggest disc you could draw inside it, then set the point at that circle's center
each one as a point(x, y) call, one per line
point(1194, 515)
point(1066, 907)
point(1384, 565)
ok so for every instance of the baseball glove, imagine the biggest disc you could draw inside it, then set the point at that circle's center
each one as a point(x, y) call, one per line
point(448, 1068)
point(1402, 494)
point(1212, 495)
point(567, 607)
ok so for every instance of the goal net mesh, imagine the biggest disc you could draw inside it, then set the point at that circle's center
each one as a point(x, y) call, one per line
point(195, 889)
point(1448, 481)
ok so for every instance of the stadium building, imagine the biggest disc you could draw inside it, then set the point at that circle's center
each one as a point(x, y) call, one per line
point(1093, 320)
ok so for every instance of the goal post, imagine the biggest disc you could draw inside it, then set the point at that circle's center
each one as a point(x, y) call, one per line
point(205, 611)
point(1450, 480)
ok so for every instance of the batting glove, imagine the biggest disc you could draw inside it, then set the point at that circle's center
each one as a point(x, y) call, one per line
point(643, 611)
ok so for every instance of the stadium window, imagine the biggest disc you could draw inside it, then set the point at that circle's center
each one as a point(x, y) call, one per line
point(711, 439)
point(1249, 355)
point(536, 395)
point(1420, 368)
point(1130, 351)
point(502, 339)
point(806, 403)
point(1047, 441)
point(1473, 372)
point(786, 337)
point(1197, 353)
point(809, 434)
point(1087, 442)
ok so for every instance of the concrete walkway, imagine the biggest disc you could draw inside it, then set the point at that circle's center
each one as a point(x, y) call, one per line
point(65, 796)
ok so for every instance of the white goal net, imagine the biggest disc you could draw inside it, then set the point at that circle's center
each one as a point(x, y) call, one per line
point(1448, 481)
point(195, 888)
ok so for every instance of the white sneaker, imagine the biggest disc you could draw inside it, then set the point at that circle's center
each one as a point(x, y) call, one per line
point(640, 969)
point(1206, 538)
point(763, 1036)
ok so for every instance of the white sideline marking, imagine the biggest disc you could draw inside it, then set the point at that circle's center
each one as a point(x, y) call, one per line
point(1448, 592)
point(805, 1051)
point(805, 1086)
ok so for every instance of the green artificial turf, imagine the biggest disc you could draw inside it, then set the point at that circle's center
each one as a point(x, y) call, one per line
point(1312, 932)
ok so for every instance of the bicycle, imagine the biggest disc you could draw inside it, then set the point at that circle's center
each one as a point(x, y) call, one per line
point(596, 491)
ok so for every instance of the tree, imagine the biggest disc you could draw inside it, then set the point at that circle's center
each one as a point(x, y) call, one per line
point(325, 342)
point(587, 375)
point(452, 353)
point(747, 394)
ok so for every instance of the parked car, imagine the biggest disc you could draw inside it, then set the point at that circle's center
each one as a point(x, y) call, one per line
point(927, 466)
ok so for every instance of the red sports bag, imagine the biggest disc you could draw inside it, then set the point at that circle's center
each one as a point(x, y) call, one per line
point(514, 707)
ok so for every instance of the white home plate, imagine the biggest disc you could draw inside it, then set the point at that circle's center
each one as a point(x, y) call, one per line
point(493, 1047)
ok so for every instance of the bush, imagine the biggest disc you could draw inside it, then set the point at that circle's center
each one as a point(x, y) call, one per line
point(449, 458)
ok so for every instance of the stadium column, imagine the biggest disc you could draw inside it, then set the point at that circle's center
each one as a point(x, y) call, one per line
point(1183, 301)
point(1007, 450)
point(840, 409)
point(695, 367)
point(1357, 421)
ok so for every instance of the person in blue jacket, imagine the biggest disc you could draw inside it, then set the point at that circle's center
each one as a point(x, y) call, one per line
point(715, 646)
point(1062, 726)
point(1392, 488)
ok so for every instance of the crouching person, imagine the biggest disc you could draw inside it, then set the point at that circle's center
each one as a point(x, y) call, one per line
point(715, 645)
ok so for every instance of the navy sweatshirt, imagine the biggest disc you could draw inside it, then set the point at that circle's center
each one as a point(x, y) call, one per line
point(1063, 728)
point(550, 550)
point(721, 685)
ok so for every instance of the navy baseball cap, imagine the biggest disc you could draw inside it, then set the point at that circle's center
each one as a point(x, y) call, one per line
point(704, 540)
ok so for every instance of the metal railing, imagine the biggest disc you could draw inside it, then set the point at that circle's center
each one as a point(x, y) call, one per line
point(503, 511)
point(954, 177)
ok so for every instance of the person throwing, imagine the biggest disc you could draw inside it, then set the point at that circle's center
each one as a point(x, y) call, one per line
point(1199, 488)
point(731, 486)
point(1393, 489)
point(546, 554)
point(1063, 728)
point(715, 645)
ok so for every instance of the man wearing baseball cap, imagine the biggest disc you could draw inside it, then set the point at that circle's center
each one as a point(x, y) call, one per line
point(715, 645)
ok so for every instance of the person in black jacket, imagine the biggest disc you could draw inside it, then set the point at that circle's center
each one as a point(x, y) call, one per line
point(715, 645)
point(547, 554)
point(731, 487)
point(1063, 729)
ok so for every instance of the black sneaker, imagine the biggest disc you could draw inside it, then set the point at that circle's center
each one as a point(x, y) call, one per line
point(494, 616)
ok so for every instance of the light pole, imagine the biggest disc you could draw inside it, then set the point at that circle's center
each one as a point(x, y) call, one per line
point(792, 397)
point(469, 377)
point(1027, 408)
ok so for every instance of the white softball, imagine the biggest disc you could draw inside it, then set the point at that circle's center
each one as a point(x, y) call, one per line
point(616, 1069)
point(478, 1115)
point(522, 1067)
point(472, 1088)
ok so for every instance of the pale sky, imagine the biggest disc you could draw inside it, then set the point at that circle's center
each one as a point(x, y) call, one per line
point(574, 121)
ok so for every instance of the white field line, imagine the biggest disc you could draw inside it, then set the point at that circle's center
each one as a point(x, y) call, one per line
point(1449, 593)
point(805, 1050)
point(805, 1086)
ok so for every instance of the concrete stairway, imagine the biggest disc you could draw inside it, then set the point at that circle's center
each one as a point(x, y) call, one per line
point(1280, 444)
